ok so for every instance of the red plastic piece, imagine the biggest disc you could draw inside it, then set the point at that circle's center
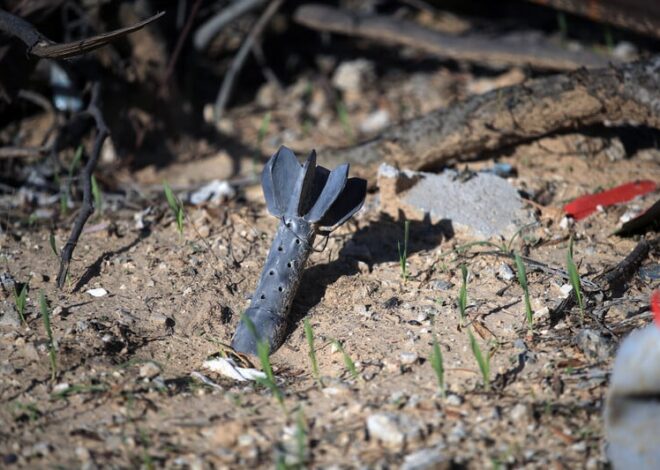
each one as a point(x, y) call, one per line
point(655, 307)
point(585, 205)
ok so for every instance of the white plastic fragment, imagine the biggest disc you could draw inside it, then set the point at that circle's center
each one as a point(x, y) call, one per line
point(98, 292)
point(214, 191)
point(228, 368)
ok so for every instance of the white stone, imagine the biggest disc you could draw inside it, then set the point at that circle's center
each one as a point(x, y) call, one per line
point(98, 292)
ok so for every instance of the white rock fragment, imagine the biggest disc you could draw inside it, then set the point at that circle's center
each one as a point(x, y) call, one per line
point(632, 411)
point(149, 370)
point(375, 122)
point(565, 290)
point(352, 75)
point(394, 430)
point(426, 459)
point(229, 368)
point(97, 292)
point(505, 272)
point(408, 358)
point(61, 388)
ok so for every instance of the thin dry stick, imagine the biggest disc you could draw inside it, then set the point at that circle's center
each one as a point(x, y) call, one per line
point(40, 46)
point(239, 60)
point(87, 208)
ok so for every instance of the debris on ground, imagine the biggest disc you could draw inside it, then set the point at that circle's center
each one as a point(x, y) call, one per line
point(484, 204)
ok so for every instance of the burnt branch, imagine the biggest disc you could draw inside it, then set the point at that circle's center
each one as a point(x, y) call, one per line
point(40, 46)
point(87, 207)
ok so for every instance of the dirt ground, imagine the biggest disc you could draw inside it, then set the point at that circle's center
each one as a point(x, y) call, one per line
point(124, 396)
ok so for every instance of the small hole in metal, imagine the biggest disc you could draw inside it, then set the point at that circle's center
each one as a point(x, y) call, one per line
point(263, 297)
point(297, 242)
point(279, 288)
point(288, 265)
point(279, 248)
point(271, 272)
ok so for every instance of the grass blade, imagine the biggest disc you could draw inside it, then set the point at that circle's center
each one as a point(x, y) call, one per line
point(403, 254)
point(462, 296)
point(574, 277)
point(53, 244)
point(522, 279)
point(20, 300)
point(45, 315)
point(482, 361)
point(98, 196)
point(348, 362)
point(263, 352)
point(437, 362)
point(309, 334)
point(175, 206)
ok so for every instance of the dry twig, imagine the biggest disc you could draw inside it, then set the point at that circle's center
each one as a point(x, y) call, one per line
point(87, 207)
point(40, 46)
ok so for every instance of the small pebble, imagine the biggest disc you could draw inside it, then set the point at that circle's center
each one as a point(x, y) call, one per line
point(98, 292)
point(61, 387)
point(505, 272)
point(454, 400)
point(149, 370)
point(408, 358)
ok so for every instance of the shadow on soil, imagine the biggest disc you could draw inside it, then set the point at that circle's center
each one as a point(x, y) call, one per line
point(374, 244)
point(95, 268)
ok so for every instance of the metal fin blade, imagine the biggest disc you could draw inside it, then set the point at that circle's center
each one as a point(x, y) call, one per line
point(299, 201)
point(348, 203)
point(281, 171)
point(333, 187)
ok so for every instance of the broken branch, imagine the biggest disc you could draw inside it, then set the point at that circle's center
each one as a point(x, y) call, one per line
point(40, 46)
point(512, 115)
point(472, 47)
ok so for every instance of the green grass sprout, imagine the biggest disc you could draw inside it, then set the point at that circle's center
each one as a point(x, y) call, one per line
point(45, 315)
point(574, 277)
point(522, 279)
point(175, 206)
point(482, 360)
point(437, 362)
point(462, 296)
point(403, 254)
point(98, 196)
point(263, 353)
point(53, 244)
point(20, 300)
point(309, 334)
point(348, 362)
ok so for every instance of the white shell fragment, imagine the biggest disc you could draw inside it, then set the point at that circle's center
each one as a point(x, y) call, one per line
point(98, 292)
point(632, 412)
point(228, 368)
